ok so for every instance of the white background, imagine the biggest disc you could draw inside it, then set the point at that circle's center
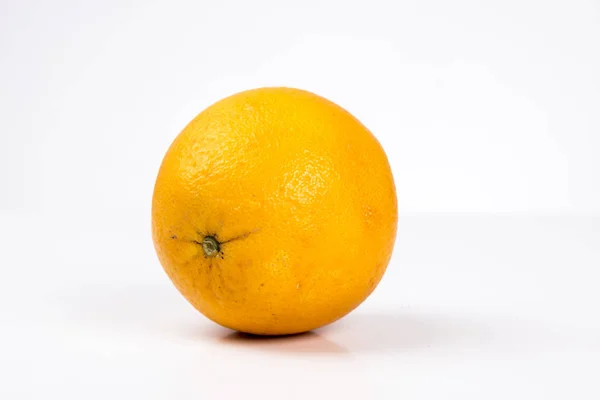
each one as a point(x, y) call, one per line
point(489, 113)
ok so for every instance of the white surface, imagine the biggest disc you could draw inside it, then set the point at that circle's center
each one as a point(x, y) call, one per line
point(484, 108)
point(471, 307)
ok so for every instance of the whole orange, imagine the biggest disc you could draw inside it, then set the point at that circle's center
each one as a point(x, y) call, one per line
point(274, 212)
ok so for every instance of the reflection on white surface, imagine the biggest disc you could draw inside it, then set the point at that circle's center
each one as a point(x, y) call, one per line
point(304, 343)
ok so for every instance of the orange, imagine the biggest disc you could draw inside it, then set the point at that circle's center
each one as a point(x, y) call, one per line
point(274, 212)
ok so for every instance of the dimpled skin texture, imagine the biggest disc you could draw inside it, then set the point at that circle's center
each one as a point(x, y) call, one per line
point(300, 196)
